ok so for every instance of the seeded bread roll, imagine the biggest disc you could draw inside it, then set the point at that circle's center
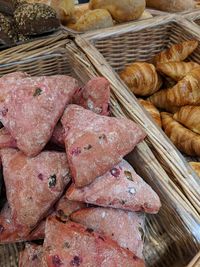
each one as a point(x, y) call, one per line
point(8, 6)
point(6, 30)
point(32, 19)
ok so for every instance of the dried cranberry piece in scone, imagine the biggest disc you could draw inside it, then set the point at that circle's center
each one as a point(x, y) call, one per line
point(31, 256)
point(95, 96)
point(94, 143)
point(65, 207)
point(32, 109)
point(33, 185)
point(71, 244)
point(11, 232)
point(6, 140)
point(125, 227)
point(119, 188)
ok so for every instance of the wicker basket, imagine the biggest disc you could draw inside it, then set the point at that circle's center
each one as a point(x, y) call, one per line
point(141, 43)
point(171, 239)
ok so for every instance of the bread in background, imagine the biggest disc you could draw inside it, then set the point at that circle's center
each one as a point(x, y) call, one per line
point(189, 116)
point(152, 110)
point(94, 20)
point(196, 167)
point(141, 78)
point(121, 10)
point(171, 5)
point(145, 15)
point(184, 139)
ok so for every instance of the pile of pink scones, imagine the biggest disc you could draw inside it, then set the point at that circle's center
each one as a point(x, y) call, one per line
point(65, 177)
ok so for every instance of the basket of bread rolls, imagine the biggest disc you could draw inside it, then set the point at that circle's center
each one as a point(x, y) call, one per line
point(156, 68)
point(97, 14)
point(22, 21)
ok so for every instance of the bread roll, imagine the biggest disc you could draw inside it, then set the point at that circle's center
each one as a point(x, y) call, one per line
point(153, 111)
point(185, 92)
point(196, 167)
point(94, 20)
point(189, 116)
point(185, 140)
point(145, 15)
point(141, 78)
point(177, 52)
point(171, 5)
point(121, 10)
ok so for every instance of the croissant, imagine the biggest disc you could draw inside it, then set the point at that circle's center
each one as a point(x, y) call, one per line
point(176, 70)
point(177, 52)
point(152, 111)
point(196, 167)
point(185, 92)
point(189, 116)
point(185, 140)
point(141, 78)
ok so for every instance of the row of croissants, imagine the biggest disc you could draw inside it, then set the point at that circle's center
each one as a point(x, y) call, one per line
point(170, 91)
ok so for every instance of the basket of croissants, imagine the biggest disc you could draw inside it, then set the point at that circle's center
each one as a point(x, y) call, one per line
point(169, 89)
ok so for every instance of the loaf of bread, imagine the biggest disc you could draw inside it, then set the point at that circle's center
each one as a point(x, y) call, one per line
point(196, 167)
point(171, 5)
point(93, 20)
point(8, 6)
point(7, 33)
point(35, 18)
point(121, 10)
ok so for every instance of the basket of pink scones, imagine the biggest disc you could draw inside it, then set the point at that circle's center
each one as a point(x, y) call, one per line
point(79, 183)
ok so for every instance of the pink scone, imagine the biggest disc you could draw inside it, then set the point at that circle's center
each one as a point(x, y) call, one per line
point(31, 256)
point(71, 244)
point(33, 185)
point(125, 227)
point(95, 143)
point(33, 107)
point(57, 137)
point(6, 140)
point(11, 232)
point(119, 188)
point(95, 96)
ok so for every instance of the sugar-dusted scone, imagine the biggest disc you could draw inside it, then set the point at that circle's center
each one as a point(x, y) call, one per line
point(184, 139)
point(141, 78)
point(72, 244)
point(95, 143)
point(196, 167)
point(126, 228)
point(31, 256)
point(185, 92)
point(177, 52)
point(119, 188)
point(44, 99)
point(39, 181)
point(94, 20)
point(94, 96)
point(190, 117)
point(153, 111)
point(176, 70)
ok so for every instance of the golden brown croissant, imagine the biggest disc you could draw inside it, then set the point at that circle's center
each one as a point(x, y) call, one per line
point(152, 111)
point(185, 140)
point(196, 167)
point(176, 70)
point(177, 52)
point(189, 116)
point(185, 92)
point(141, 78)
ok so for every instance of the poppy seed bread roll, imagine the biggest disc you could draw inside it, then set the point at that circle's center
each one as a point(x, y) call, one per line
point(32, 19)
